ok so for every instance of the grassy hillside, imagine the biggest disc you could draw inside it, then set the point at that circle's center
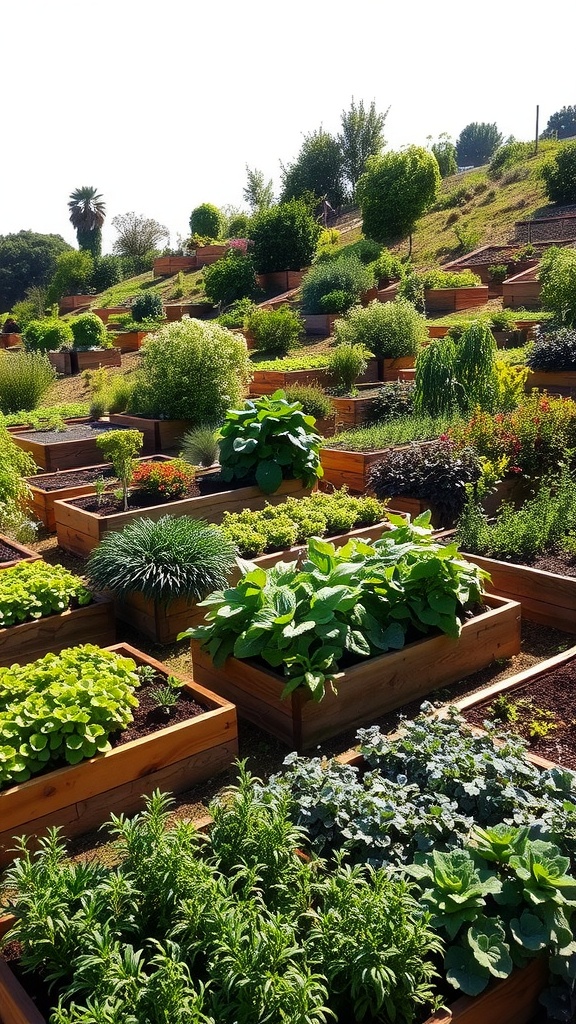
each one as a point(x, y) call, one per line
point(188, 287)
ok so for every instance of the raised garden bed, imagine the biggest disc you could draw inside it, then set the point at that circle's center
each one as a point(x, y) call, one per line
point(11, 552)
point(207, 254)
point(547, 688)
point(562, 382)
point(266, 382)
point(391, 369)
point(280, 280)
point(166, 266)
point(80, 797)
point(69, 303)
point(79, 529)
point(350, 469)
point(71, 483)
point(522, 289)
point(62, 362)
point(444, 300)
point(319, 323)
point(197, 310)
point(26, 641)
point(129, 341)
point(354, 412)
point(369, 689)
point(91, 359)
point(159, 435)
point(63, 449)
point(10, 340)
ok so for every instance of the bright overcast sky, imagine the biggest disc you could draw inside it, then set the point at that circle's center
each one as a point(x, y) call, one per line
point(160, 106)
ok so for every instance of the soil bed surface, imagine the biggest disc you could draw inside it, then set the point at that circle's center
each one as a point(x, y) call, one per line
point(71, 478)
point(74, 432)
point(108, 505)
point(8, 553)
point(553, 694)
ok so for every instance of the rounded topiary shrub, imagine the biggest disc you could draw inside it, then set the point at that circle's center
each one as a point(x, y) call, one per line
point(89, 332)
point(193, 370)
point(346, 275)
point(388, 329)
point(206, 219)
point(274, 330)
point(47, 334)
point(284, 237)
point(147, 306)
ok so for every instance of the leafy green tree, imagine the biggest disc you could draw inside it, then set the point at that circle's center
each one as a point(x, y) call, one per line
point(476, 143)
point(559, 174)
point(137, 234)
point(361, 136)
point(445, 152)
point(318, 169)
point(558, 280)
point(259, 194)
point(27, 260)
point(74, 271)
point(561, 125)
point(207, 220)
point(87, 215)
point(395, 190)
point(284, 237)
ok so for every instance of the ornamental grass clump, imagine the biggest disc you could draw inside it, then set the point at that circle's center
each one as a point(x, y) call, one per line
point(456, 376)
point(270, 440)
point(192, 370)
point(347, 363)
point(345, 604)
point(200, 446)
point(174, 557)
point(25, 377)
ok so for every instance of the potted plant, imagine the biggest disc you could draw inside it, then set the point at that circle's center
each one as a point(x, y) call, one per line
point(157, 571)
point(191, 372)
point(45, 608)
point(345, 606)
point(86, 732)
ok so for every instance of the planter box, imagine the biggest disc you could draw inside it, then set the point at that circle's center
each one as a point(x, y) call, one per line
point(350, 468)
point(91, 359)
point(198, 310)
point(561, 382)
point(326, 427)
point(54, 455)
point(435, 331)
point(41, 501)
point(367, 690)
point(512, 1001)
point(159, 435)
point(62, 362)
point(21, 553)
point(389, 292)
point(26, 641)
point(69, 303)
point(266, 382)
point(80, 531)
point(105, 312)
point(546, 597)
point(130, 341)
point(166, 266)
point(451, 300)
point(280, 280)
point(80, 797)
point(522, 290)
point(207, 254)
point(391, 368)
point(319, 323)
point(10, 340)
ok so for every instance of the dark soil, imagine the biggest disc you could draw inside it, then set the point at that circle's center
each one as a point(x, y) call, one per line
point(553, 693)
point(71, 478)
point(560, 562)
point(149, 717)
point(211, 483)
point(73, 432)
point(8, 553)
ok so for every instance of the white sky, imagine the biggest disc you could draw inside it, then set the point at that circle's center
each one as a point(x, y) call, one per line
point(160, 106)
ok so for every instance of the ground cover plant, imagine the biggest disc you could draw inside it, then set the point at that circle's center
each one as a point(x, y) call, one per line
point(43, 414)
point(401, 430)
point(341, 605)
point(303, 360)
point(32, 590)
point(269, 440)
point(297, 519)
point(436, 473)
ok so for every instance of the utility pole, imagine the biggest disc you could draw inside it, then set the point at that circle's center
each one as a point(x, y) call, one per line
point(537, 113)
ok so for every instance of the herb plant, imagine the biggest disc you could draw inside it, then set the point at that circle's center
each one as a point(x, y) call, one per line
point(25, 377)
point(347, 363)
point(274, 330)
point(270, 439)
point(389, 329)
point(314, 401)
point(345, 274)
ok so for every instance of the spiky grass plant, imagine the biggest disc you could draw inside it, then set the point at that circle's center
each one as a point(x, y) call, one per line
point(174, 557)
point(200, 446)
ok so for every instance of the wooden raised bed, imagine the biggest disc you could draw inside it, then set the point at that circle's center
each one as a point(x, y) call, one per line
point(350, 468)
point(166, 266)
point(80, 797)
point(26, 641)
point(41, 501)
point(266, 382)
point(561, 382)
point(159, 435)
point(280, 280)
point(546, 597)
point(91, 359)
point(452, 300)
point(207, 254)
point(176, 310)
point(392, 368)
point(319, 323)
point(367, 690)
point(62, 362)
point(129, 341)
point(522, 289)
point(68, 303)
point(65, 454)
point(10, 340)
point(105, 312)
point(21, 553)
point(79, 531)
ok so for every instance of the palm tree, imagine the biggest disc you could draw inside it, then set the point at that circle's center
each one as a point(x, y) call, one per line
point(87, 214)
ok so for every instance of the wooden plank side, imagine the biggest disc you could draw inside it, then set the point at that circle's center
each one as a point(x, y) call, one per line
point(94, 623)
point(16, 1007)
point(546, 597)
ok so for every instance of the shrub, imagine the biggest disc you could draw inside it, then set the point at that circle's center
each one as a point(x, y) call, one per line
point(388, 329)
point(274, 330)
point(559, 174)
point(234, 316)
point(120, 447)
point(206, 219)
point(47, 335)
point(107, 272)
point(453, 376)
point(200, 446)
point(434, 472)
point(25, 377)
point(553, 350)
point(498, 272)
point(314, 401)
point(388, 268)
point(346, 274)
point(394, 400)
point(174, 557)
point(15, 464)
point(284, 237)
point(191, 370)
point(508, 155)
point(73, 274)
point(346, 363)
point(270, 439)
point(167, 480)
point(558, 280)
point(365, 249)
point(147, 306)
point(337, 301)
point(230, 278)
point(89, 332)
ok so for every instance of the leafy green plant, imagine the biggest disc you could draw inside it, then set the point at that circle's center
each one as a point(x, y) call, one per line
point(62, 707)
point(47, 335)
point(388, 268)
point(176, 556)
point(284, 236)
point(346, 363)
point(32, 590)
point(346, 274)
point(269, 439)
point(231, 278)
point(388, 329)
point(354, 602)
point(234, 316)
point(89, 332)
point(120, 447)
point(25, 377)
point(191, 370)
point(303, 361)
point(274, 330)
point(313, 399)
point(336, 301)
point(147, 306)
point(200, 446)
point(434, 472)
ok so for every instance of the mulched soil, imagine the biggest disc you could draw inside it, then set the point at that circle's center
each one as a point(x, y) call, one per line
point(553, 693)
point(73, 432)
point(8, 553)
point(149, 717)
point(71, 478)
point(211, 483)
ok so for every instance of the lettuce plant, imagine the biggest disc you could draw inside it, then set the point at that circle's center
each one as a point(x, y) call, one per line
point(32, 590)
